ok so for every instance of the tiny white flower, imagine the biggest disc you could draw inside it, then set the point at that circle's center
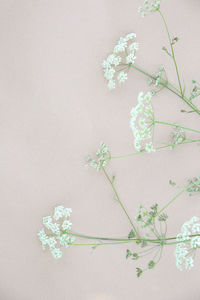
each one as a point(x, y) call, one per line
point(106, 64)
point(147, 98)
point(123, 55)
point(130, 36)
point(117, 60)
point(43, 238)
point(195, 242)
point(110, 59)
point(149, 147)
point(122, 77)
point(196, 228)
point(64, 240)
point(111, 84)
point(134, 47)
point(109, 73)
point(137, 145)
point(58, 212)
point(67, 212)
point(189, 263)
point(55, 228)
point(66, 225)
point(47, 221)
point(142, 123)
point(57, 253)
point(149, 7)
point(51, 242)
point(130, 58)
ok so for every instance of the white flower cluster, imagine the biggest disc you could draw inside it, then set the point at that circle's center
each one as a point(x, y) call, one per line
point(187, 243)
point(141, 123)
point(178, 137)
point(196, 185)
point(58, 230)
point(149, 7)
point(103, 157)
point(122, 57)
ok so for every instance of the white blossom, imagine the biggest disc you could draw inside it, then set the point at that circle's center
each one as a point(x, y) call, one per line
point(149, 7)
point(56, 235)
point(122, 77)
point(141, 123)
point(102, 158)
point(121, 59)
point(187, 244)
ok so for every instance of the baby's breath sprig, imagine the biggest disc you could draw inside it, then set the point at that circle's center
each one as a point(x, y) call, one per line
point(195, 92)
point(188, 241)
point(159, 81)
point(149, 7)
point(195, 188)
point(178, 136)
point(57, 236)
point(117, 64)
point(103, 156)
point(141, 123)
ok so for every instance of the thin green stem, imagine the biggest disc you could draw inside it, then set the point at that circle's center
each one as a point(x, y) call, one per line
point(101, 244)
point(172, 50)
point(124, 240)
point(158, 148)
point(176, 92)
point(176, 125)
point(118, 199)
point(170, 87)
point(176, 196)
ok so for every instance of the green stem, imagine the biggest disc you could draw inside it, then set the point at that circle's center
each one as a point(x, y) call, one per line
point(172, 89)
point(95, 244)
point(121, 204)
point(176, 196)
point(123, 240)
point(176, 125)
point(158, 148)
point(172, 50)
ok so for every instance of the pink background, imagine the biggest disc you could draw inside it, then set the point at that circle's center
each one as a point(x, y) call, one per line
point(54, 110)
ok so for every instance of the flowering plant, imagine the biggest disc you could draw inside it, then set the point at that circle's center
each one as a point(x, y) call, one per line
point(149, 229)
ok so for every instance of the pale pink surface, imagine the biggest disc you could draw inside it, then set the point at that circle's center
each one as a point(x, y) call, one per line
point(54, 110)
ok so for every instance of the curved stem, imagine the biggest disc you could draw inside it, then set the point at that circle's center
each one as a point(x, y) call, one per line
point(172, 89)
point(177, 195)
point(158, 148)
point(175, 91)
point(172, 50)
point(176, 125)
point(118, 199)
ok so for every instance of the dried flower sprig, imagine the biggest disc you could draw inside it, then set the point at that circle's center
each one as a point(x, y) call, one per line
point(103, 157)
point(141, 123)
point(58, 234)
point(149, 7)
point(195, 188)
point(120, 60)
point(187, 243)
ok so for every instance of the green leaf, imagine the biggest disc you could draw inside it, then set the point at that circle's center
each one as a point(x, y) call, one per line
point(135, 256)
point(131, 234)
point(139, 272)
point(128, 253)
point(163, 217)
point(151, 264)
